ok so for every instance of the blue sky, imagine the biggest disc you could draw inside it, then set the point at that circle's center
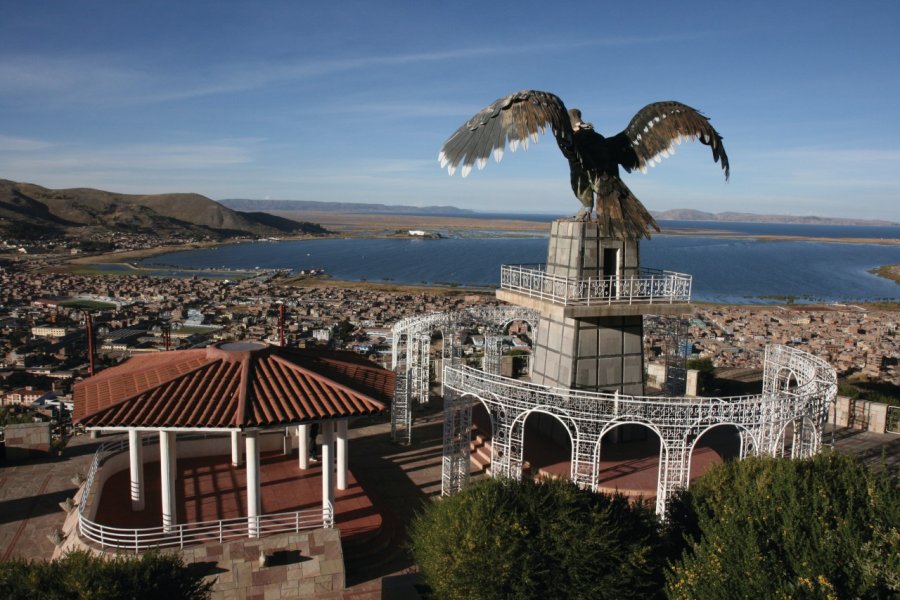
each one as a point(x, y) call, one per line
point(351, 102)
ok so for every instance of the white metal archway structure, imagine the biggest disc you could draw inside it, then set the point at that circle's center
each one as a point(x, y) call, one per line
point(411, 352)
point(678, 421)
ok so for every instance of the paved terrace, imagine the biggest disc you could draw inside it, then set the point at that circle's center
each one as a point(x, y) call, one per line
point(397, 480)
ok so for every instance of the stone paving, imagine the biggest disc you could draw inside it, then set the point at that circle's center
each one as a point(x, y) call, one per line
point(30, 493)
point(297, 565)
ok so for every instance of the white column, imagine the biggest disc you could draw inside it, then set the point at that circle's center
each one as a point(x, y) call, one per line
point(237, 456)
point(342, 454)
point(288, 442)
point(167, 462)
point(303, 445)
point(253, 496)
point(327, 465)
point(136, 461)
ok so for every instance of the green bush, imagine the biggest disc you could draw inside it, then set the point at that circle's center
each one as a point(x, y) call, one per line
point(8, 417)
point(508, 539)
point(825, 527)
point(85, 576)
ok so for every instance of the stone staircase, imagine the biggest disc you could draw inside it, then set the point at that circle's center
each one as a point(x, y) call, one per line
point(480, 447)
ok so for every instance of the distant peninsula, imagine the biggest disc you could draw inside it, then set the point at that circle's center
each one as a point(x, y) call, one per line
point(342, 207)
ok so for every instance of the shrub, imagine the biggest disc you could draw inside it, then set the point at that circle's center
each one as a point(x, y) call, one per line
point(824, 527)
point(509, 539)
point(82, 575)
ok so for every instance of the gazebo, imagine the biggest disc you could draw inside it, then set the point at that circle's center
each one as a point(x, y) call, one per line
point(241, 389)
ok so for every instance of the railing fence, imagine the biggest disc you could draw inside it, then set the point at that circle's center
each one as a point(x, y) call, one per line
point(648, 287)
point(183, 534)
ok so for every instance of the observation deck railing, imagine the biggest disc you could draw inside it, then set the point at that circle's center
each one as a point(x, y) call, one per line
point(650, 286)
point(812, 395)
point(184, 534)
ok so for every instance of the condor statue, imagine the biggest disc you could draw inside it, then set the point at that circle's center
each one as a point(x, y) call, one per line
point(594, 160)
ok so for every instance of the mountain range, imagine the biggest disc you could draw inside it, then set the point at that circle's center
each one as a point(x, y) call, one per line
point(687, 214)
point(682, 214)
point(29, 211)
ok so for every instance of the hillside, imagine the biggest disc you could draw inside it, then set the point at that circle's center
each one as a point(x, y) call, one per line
point(32, 211)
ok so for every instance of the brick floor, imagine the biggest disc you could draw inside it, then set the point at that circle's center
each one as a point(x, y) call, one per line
point(209, 489)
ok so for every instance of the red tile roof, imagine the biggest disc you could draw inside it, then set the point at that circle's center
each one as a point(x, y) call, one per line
point(232, 385)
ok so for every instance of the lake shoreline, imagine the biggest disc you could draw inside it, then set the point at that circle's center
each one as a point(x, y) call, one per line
point(372, 227)
point(351, 225)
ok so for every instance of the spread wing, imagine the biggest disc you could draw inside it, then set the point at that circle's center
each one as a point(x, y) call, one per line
point(510, 120)
point(655, 130)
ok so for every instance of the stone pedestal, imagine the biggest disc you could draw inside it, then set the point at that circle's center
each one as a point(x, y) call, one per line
point(598, 348)
point(603, 354)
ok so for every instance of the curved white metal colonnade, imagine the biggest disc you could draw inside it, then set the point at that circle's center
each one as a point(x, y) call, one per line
point(412, 359)
point(765, 421)
point(789, 415)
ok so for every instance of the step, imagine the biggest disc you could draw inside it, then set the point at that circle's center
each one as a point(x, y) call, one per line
point(480, 468)
point(482, 451)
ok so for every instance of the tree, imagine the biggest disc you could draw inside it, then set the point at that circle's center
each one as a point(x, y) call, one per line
point(83, 575)
point(825, 527)
point(509, 539)
point(342, 331)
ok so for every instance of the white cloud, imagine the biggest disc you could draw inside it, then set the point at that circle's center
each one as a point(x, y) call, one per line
point(137, 157)
point(837, 155)
point(76, 77)
point(20, 144)
point(110, 80)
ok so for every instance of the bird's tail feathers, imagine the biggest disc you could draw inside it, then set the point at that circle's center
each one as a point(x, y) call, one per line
point(620, 213)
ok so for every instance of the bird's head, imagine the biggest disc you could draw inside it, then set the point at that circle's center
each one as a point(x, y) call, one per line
point(575, 119)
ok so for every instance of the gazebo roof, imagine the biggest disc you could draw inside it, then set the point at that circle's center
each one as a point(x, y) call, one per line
point(232, 385)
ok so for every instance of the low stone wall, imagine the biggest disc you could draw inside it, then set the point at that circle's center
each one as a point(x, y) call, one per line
point(859, 414)
point(25, 440)
point(309, 564)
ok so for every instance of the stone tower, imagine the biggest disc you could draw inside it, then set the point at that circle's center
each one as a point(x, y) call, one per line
point(592, 295)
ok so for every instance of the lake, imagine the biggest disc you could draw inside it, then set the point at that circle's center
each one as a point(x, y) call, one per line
point(728, 270)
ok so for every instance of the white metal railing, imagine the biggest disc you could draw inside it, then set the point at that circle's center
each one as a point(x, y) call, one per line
point(204, 532)
point(670, 411)
point(184, 534)
point(650, 286)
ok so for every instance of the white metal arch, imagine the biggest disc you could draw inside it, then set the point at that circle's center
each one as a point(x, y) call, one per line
point(663, 453)
point(740, 428)
point(804, 443)
point(411, 359)
point(784, 376)
point(569, 424)
point(628, 419)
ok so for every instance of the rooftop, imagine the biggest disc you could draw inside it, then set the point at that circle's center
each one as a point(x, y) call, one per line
point(232, 386)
